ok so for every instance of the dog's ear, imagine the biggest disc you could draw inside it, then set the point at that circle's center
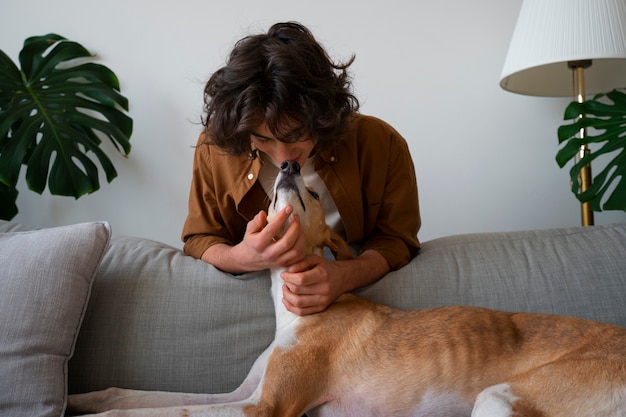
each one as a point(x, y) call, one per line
point(338, 246)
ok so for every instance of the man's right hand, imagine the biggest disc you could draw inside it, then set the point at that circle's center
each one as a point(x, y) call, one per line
point(261, 248)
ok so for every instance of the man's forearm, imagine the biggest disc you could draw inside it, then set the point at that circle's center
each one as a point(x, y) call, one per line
point(366, 269)
point(220, 256)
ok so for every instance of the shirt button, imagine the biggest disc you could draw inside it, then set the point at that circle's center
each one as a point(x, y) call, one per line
point(332, 159)
point(250, 176)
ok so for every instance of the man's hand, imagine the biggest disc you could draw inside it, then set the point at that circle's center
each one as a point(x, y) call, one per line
point(314, 283)
point(260, 247)
point(308, 286)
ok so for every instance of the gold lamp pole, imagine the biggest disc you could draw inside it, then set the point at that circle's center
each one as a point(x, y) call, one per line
point(555, 41)
point(578, 70)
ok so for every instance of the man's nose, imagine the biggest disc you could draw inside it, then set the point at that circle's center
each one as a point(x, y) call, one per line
point(285, 151)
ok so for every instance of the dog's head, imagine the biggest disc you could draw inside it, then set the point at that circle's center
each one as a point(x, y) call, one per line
point(289, 189)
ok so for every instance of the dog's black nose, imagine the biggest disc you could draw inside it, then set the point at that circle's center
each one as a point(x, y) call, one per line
point(290, 167)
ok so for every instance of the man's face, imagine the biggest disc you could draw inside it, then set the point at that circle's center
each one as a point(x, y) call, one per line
point(263, 140)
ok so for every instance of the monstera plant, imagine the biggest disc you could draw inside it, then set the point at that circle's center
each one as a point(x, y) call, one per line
point(54, 113)
point(604, 117)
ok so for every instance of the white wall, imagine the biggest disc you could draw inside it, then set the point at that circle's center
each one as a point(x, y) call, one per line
point(484, 157)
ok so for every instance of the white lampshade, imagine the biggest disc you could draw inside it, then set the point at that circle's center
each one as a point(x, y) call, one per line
point(550, 33)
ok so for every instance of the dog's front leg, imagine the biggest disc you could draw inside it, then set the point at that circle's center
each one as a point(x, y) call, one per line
point(135, 400)
point(251, 407)
point(238, 409)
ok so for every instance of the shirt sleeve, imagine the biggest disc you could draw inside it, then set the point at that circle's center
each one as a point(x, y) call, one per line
point(396, 218)
point(372, 180)
point(203, 226)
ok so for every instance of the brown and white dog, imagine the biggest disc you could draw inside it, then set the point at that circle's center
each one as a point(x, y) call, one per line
point(359, 359)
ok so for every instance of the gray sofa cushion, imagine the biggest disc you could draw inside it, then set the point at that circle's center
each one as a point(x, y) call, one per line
point(45, 281)
point(169, 322)
point(578, 271)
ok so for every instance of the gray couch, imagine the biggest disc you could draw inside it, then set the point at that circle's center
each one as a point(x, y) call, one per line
point(159, 320)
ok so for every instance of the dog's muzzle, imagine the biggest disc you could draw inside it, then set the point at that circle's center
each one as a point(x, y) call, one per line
point(287, 181)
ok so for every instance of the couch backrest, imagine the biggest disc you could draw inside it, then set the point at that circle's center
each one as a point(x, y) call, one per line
point(160, 320)
point(571, 271)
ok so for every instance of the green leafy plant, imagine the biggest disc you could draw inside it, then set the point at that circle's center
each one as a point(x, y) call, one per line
point(605, 118)
point(54, 113)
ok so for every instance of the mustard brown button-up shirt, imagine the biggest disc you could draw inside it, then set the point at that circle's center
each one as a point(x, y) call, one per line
point(370, 176)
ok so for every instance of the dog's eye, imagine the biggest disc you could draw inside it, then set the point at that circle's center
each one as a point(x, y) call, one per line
point(314, 194)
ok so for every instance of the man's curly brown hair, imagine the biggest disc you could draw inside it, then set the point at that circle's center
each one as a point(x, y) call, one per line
point(283, 78)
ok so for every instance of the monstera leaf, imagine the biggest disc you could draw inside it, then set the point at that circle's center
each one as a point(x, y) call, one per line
point(605, 118)
point(54, 113)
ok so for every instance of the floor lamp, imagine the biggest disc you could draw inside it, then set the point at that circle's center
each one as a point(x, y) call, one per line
point(566, 48)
